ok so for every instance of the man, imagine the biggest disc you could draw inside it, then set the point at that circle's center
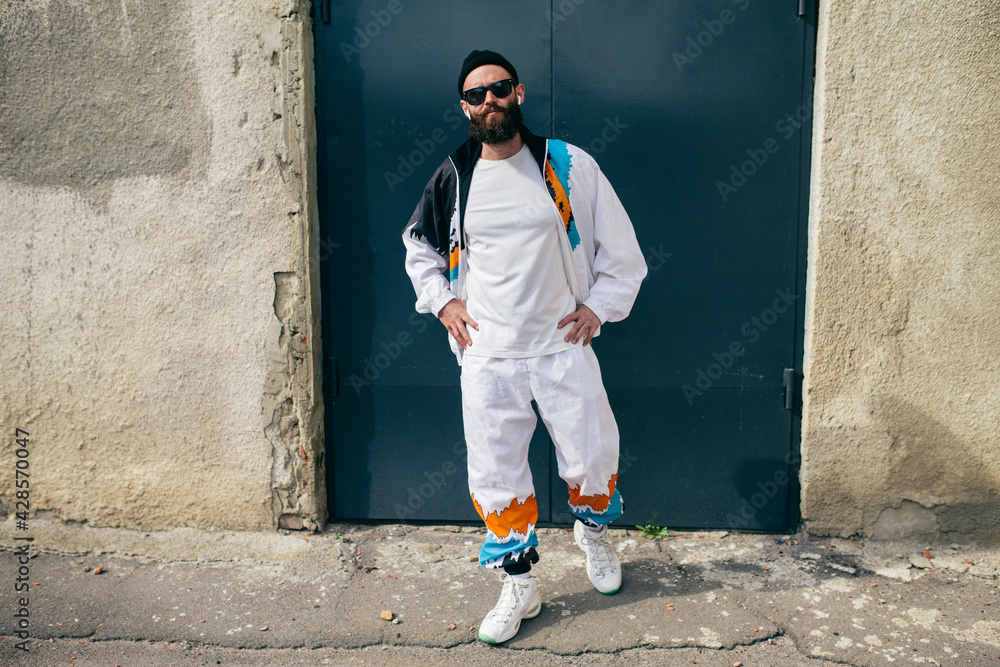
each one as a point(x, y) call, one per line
point(521, 248)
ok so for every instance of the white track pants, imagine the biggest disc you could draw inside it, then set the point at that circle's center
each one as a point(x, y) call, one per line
point(499, 423)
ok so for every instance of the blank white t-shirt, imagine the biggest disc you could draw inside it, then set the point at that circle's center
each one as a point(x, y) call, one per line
point(517, 286)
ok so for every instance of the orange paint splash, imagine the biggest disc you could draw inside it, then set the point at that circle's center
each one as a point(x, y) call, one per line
point(598, 503)
point(516, 517)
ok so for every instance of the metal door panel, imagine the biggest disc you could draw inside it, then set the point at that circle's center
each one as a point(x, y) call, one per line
point(695, 373)
point(666, 132)
point(388, 115)
point(669, 454)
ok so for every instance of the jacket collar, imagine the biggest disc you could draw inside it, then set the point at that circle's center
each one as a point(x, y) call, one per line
point(468, 154)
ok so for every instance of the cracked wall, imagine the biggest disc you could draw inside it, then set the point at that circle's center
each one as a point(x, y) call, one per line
point(292, 406)
point(902, 394)
point(160, 324)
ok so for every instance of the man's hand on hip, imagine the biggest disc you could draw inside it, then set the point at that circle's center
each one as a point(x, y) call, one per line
point(586, 323)
point(454, 317)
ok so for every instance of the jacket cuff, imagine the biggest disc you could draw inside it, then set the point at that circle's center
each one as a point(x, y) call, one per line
point(440, 301)
point(599, 309)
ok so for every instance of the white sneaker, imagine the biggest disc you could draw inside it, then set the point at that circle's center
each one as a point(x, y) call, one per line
point(603, 568)
point(517, 601)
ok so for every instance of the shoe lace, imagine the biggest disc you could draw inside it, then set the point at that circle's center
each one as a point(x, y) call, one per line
point(510, 597)
point(599, 547)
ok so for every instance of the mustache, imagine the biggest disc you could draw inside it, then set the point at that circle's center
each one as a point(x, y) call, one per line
point(505, 127)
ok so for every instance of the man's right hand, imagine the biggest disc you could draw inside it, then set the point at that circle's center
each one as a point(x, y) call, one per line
point(454, 317)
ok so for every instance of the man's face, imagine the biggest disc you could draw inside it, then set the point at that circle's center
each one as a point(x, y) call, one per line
point(496, 120)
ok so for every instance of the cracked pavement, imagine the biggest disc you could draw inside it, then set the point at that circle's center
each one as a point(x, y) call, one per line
point(196, 597)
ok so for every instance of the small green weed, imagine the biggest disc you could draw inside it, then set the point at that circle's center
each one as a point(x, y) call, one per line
point(651, 532)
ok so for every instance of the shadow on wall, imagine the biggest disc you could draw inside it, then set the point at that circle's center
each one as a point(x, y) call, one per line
point(934, 487)
point(93, 91)
point(926, 459)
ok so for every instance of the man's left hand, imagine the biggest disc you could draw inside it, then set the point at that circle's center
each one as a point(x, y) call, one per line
point(586, 323)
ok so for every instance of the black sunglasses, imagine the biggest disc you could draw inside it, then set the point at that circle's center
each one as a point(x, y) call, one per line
point(500, 90)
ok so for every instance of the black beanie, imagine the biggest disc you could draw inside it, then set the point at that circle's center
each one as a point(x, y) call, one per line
point(480, 58)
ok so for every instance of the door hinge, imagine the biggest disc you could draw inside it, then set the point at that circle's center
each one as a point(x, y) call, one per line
point(324, 10)
point(802, 8)
point(789, 382)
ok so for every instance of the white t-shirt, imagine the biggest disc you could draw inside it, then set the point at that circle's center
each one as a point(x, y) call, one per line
point(517, 286)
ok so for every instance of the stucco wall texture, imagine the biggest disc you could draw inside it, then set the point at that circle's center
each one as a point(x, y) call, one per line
point(901, 414)
point(157, 308)
point(160, 326)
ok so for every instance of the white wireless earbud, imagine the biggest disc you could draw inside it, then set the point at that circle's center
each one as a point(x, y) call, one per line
point(519, 99)
point(467, 114)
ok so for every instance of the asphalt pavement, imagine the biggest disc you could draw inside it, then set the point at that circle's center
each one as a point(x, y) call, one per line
point(408, 595)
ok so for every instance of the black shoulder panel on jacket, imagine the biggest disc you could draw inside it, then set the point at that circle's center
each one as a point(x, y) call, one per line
point(431, 219)
point(536, 145)
point(465, 157)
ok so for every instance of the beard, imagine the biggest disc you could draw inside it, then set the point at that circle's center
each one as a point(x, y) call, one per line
point(497, 130)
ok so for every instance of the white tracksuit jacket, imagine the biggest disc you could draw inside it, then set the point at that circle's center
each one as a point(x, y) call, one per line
point(599, 241)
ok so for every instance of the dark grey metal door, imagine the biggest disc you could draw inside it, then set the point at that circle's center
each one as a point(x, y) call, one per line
point(698, 113)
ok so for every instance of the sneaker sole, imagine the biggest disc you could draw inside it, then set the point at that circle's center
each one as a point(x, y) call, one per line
point(530, 614)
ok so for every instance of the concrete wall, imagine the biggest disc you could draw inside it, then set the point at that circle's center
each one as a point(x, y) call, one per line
point(159, 325)
point(901, 430)
point(160, 319)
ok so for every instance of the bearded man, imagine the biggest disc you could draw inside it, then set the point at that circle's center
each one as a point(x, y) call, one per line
point(522, 249)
